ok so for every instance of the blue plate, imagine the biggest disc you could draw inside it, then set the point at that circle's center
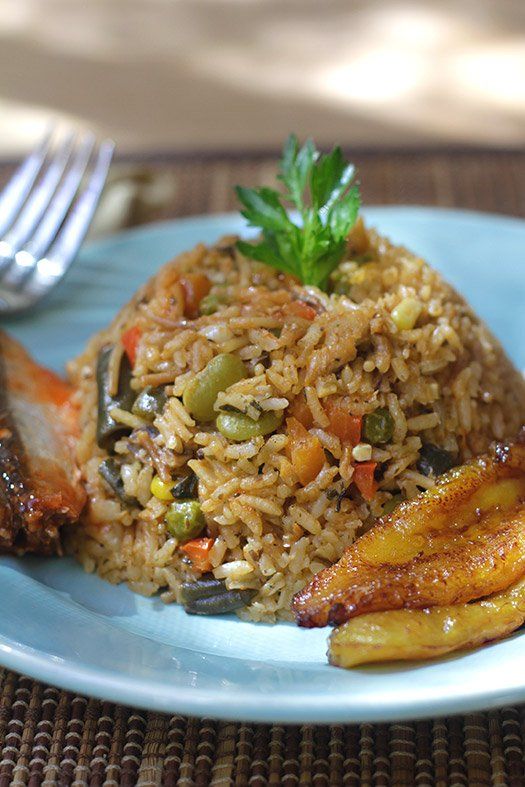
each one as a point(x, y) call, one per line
point(71, 629)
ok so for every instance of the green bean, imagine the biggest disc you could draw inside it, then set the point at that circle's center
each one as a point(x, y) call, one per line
point(185, 520)
point(201, 393)
point(378, 427)
point(149, 403)
point(221, 603)
point(110, 472)
point(204, 587)
point(108, 430)
point(186, 487)
point(434, 461)
point(239, 427)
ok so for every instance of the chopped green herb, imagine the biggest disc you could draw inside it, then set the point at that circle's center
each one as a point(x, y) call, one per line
point(229, 408)
point(321, 187)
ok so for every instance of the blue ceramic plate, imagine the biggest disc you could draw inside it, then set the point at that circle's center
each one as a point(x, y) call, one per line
point(64, 627)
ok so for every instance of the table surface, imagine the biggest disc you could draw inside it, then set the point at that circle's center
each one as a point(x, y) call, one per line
point(50, 737)
point(220, 73)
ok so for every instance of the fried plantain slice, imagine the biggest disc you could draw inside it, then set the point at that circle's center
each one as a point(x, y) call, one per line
point(408, 634)
point(462, 540)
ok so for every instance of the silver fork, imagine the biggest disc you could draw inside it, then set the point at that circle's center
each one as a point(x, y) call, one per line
point(45, 211)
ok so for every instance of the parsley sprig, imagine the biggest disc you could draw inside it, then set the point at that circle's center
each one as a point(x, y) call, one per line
point(321, 188)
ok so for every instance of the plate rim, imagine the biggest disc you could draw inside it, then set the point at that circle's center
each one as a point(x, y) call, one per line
point(248, 707)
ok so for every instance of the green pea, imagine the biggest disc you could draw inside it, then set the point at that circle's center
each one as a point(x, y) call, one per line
point(378, 427)
point(185, 520)
point(209, 304)
point(240, 427)
point(149, 403)
point(201, 393)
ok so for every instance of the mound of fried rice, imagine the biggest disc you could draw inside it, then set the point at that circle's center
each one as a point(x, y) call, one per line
point(445, 381)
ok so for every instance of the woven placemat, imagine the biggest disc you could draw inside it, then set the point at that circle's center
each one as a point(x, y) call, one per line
point(50, 737)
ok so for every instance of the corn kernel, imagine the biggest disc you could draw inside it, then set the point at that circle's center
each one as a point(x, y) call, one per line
point(406, 313)
point(362, 452)
point(160, 489)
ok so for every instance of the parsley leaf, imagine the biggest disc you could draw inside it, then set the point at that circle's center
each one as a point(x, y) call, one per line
point(321, 188)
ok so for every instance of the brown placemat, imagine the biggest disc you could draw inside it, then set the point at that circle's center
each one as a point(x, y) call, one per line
point(50, 737)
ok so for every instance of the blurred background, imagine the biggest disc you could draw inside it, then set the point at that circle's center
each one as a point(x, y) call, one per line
point(232, 75)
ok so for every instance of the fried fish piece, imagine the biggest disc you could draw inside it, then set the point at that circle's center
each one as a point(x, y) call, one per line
point(40, 487)
point(461, 540)
point(409, 634)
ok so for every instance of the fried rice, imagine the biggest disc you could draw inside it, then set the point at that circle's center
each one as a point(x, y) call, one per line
point(443, 378)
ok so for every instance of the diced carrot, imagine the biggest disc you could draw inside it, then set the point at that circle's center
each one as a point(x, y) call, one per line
point(301, 309)
point(195, 286)
point(130, 340)
point(364, 479)
point(343, 424)
point(198, 552)
point(297, 433)
point(300, 410)
point(304, 451)
point(308, 460)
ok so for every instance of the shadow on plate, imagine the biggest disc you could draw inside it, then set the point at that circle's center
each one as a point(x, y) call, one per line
point(88, 590)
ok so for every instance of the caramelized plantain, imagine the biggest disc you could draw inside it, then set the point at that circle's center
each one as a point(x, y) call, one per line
point(405, 634)
point(461, 540)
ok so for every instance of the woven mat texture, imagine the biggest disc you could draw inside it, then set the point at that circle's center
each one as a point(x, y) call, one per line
point(50, 737)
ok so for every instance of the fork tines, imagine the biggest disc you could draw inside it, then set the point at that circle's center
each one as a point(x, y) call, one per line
point(45, 211)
